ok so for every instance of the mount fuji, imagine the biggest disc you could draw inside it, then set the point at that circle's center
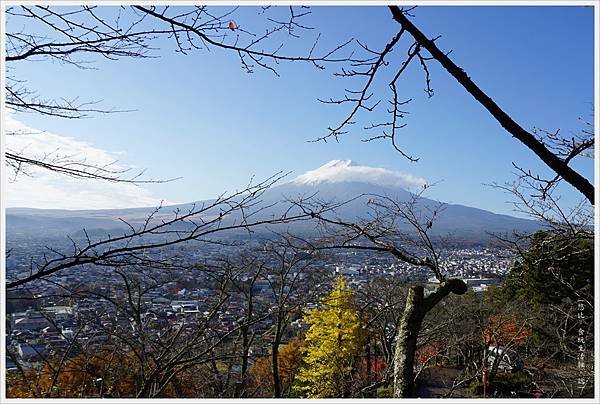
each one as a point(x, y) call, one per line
point(337, 180)
point(345, 171)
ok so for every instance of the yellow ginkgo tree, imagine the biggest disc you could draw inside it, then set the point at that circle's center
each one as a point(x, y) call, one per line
point(333, 341)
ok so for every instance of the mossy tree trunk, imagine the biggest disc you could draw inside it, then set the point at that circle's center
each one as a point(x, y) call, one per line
point(417, 306)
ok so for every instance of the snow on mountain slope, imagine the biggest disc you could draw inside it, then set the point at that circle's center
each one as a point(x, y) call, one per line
point(348, 171)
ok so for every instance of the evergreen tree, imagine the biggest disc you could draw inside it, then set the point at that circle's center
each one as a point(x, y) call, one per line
point(554, 268)
point(334, 339)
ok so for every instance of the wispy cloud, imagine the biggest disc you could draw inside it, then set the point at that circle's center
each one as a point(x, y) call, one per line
point(41, 188)
point(348, 171)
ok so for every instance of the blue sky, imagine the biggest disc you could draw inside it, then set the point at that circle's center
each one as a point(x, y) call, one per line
point(201, 117)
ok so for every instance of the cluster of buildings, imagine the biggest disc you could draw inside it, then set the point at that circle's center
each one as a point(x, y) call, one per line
point(44, 324)
point(480, 268)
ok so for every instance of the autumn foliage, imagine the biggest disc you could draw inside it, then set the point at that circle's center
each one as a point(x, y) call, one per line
point(289, 359)
point(106, 373)
point(506, 331)
point(334, 339)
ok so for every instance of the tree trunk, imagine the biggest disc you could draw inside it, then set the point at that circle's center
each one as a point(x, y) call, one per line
point(406, 343)
point(241, 387)
point(275, 354)
point(368, 355)
point(246, 341)
point(417, 306)
point(275, 369)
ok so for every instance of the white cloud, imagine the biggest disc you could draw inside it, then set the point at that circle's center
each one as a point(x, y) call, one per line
point(45, 189)
point(347, 171)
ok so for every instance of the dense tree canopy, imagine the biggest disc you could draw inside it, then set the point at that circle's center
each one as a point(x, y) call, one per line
point(553, 268)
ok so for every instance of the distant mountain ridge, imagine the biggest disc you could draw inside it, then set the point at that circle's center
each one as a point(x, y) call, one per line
point(338, 180)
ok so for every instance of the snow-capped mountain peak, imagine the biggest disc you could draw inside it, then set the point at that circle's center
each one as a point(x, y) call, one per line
point(349, 171)
point(339, 163)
